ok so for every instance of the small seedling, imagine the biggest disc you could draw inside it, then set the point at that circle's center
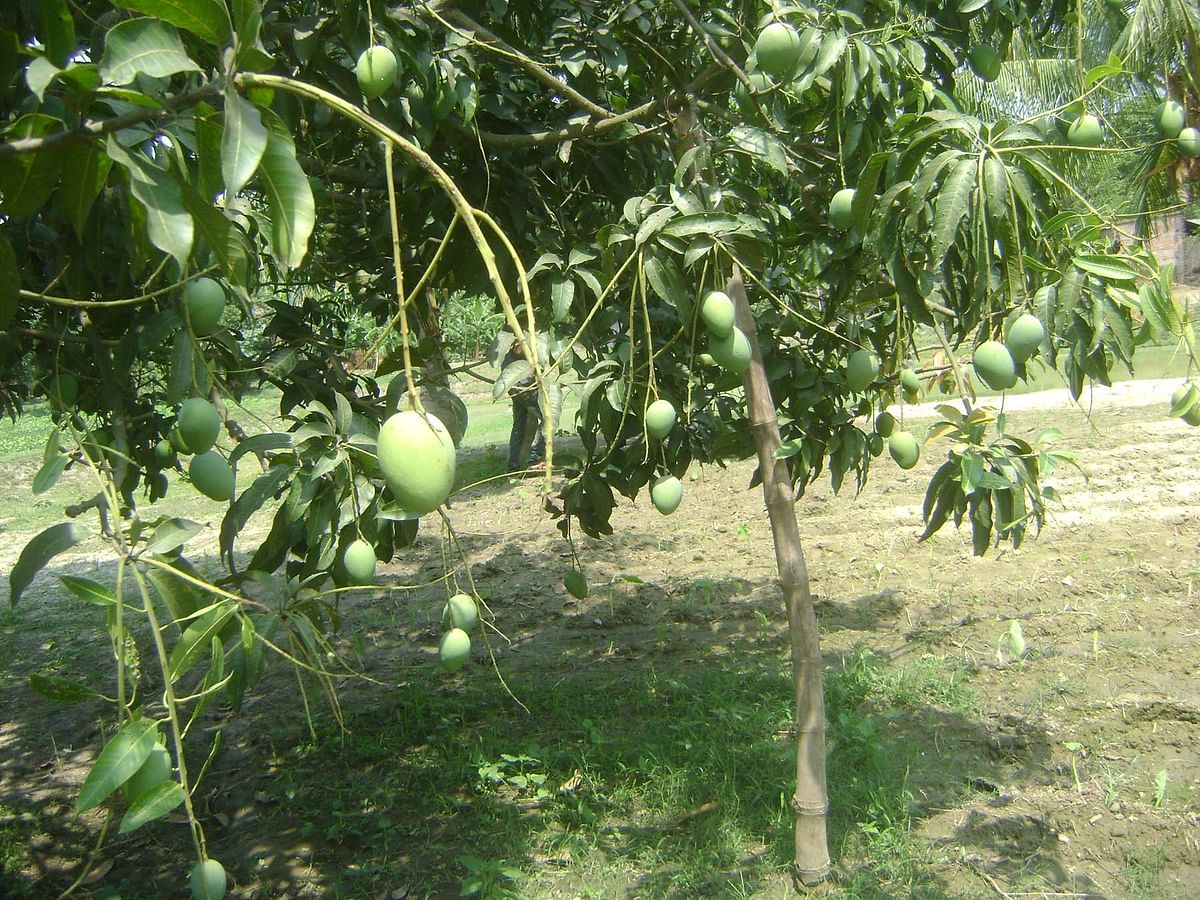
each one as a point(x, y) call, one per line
point(1074, 747)
point(1160, 788)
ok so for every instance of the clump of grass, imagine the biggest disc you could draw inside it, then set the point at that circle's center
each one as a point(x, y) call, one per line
point(650, 781)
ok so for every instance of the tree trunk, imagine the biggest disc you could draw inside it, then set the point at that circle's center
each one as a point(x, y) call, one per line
point(810, 800)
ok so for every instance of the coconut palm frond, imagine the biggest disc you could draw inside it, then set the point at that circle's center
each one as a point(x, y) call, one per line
point(1158, 34)
point(1024, 88)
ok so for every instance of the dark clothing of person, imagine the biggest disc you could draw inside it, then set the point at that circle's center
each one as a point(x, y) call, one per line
point(527, 441)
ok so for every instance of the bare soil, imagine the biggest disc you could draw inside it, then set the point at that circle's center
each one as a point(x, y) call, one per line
point(1063, 754)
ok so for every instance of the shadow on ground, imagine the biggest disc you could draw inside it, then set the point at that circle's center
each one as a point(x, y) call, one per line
point(639, 746)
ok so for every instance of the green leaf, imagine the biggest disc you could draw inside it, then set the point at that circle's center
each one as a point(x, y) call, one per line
point(576, 584)
point(10, 283)
point(168, 223)
point(28, 179)
point(515, 371)
point(37, 553)
point(38, 76)
point(120, 758)
point(714, 224)
point(761, 144)
point(216, 230)
point(562, 293)
point(196, 638)
point(170, 534)
point(85, 170)
point(247, 21)
point(952, 203)
point(833, 45)
point(47, 476)
point(154, 804)
point(1113, 268)
point(665, 279)
point(966, 7)
point(88, 591)
point(289, 196)
point(143, 47)
point(259, 444)
point(243, 142)
point(58, 30)
point(179, 595)
point(249, 502)
point(207, 19)
point(62, 690)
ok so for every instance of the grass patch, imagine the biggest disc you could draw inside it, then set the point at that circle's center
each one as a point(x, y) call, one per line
point(14, 853)
point(651, 782)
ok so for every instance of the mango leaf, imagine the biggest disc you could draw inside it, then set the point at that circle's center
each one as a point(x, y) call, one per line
point(58, 30)
point(62, 690)
point(562, 293)
point(49, 473)
point(37, 553)
point(213, 227)
point(714, 224)
point(243, 142)
point(179, 595)
point(289, 196)
point(665, 279)
point(761, 144)
point(168, 224)
point(247, 21)
point(515, 371)
point(85, 170)
point(1113, 268)
point(120, 758)
point(39, 75)
point(153, 804)
point(249, 502)
point(143, 47)
point(207, 19)
point(196, 638)
point(170, 534)
point(261, 443)
point(28, 179)
point(88, 591)
point(952, 203)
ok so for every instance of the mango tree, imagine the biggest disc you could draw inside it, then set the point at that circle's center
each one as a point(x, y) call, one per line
point(677, 209)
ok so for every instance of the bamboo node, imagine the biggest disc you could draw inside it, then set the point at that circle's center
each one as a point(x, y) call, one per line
point(759, 423)
point(808, 808)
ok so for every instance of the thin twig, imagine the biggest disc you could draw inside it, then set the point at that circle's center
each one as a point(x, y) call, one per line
point(713, 47)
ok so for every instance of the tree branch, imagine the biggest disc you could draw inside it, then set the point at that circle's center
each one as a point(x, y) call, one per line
point(539, 73)
point(95, 128)
point(595, 128)
point(713, 47)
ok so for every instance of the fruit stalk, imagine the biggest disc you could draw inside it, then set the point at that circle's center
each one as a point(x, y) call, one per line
point(810, 800)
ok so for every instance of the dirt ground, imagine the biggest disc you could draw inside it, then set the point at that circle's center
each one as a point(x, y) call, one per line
point(1068, 745)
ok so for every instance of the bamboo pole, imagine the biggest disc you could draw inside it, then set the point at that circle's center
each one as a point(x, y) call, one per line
point(810, 800)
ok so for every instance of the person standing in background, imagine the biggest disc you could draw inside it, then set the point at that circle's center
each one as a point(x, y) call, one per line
point(527, 441)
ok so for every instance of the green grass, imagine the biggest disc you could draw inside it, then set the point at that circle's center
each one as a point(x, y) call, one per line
point(656, 781)
point(1149, 362)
